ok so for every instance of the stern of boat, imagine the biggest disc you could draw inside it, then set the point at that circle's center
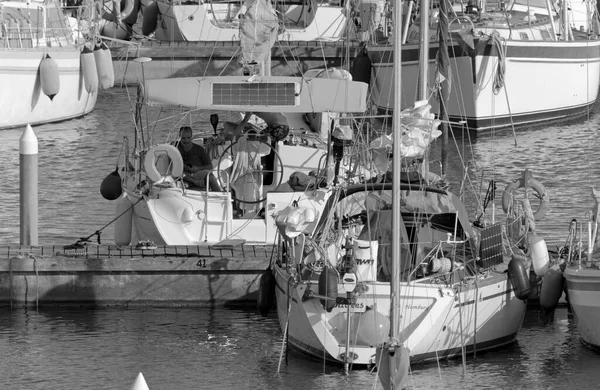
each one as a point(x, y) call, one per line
point(583, 291)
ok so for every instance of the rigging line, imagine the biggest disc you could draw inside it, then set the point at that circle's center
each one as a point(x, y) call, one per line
point(97, 232)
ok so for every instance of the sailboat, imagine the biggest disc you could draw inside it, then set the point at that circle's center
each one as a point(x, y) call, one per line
point(42, 69)
point(346, 293)
point(310, 20)
point(263, 160)
point(511, 64)
point(576, 269)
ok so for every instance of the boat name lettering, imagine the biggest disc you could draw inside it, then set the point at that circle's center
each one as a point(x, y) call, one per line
point(364, 261)
point(354, 305)
point(417, 307)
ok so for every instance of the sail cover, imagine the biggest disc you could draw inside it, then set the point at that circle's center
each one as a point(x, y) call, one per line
point(258, 32)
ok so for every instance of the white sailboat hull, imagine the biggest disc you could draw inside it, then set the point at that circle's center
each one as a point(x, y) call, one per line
point(172, 216)
point(566, 82)
point(583, 291)
point(436, 322)
point(22, 101)
point(220, 22)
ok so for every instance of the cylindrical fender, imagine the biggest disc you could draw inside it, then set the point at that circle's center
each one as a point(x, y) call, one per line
point(534, 185)
point(109, 68)
point(102, 68)
point(88, 67)
point(123, 222)
point(150, 18)
point(328, 287)
point(266, 292)
point(552, 289)
point(539, 255)
point(150, 161)
point(519, 276)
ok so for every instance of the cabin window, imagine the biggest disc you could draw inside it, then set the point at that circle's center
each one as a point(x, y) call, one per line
point(524, 36)
point(546, 35)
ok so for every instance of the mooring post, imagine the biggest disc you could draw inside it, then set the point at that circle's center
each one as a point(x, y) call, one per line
point(28, 187)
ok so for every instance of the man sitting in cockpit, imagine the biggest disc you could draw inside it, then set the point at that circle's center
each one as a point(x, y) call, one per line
point(197, 164)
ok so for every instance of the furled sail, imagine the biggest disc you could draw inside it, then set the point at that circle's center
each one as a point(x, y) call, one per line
point(258, 32)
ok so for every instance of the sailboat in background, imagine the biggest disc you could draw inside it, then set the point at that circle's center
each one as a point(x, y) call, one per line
point(577, 270)
point(347, 294)
point(42, 67)
point(306, 20)
point(510, 64)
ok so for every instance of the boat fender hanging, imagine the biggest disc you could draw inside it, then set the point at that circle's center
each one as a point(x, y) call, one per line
point(552, 288)
point(49, 77)
point(539, 255)
point(151, 158)
point(361, 67)
point(519, 276)
point(534, 185)
point(266, 292)
point(88, 67)
point(109, 66)
point(101, 68)
point(111, 188)
point(328, 287)
point(150, 18)
point(124, 221)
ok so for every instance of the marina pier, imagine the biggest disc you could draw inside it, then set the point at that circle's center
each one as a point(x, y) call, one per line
point(104, 275)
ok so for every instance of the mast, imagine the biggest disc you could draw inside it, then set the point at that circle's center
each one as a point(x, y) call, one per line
point(396, 136)
point(423, 54)
point(442, 64)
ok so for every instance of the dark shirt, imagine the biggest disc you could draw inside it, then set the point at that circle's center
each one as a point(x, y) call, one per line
point(194, 157)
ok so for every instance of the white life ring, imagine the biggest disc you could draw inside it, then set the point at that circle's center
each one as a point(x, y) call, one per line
point(150, 161)
point(534, 185)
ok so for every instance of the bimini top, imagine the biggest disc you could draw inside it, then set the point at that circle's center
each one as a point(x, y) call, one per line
point(258, 93)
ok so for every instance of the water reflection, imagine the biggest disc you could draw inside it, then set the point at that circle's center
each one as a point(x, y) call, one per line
point(182, 348)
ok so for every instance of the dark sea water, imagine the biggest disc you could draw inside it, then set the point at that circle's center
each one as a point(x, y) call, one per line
point(183, 348)
point(222, 348)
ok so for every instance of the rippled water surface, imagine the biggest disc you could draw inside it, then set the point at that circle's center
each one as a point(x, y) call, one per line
point(231, 349)
point(234, 349)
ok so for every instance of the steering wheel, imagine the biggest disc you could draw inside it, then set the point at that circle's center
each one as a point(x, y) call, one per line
point(233, 151)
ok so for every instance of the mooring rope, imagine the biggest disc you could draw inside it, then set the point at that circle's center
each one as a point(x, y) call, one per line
point(83, 240)
point(498, 43)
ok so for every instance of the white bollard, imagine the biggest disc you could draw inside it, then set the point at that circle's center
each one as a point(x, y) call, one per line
point(140, 383)
point(28, 187)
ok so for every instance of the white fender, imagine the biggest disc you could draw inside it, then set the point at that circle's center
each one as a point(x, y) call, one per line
point(123, 223)
point(88, 67)
point(539, 255)
point(102, 68)
point(49, 77)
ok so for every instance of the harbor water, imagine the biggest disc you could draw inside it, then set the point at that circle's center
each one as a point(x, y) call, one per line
point(224, 348)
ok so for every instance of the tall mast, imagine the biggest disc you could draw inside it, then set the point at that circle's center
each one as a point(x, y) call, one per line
point(443, 62)
point(396, 136)
point(423, 54)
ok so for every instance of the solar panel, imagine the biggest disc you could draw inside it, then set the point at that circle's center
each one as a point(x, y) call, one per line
point(491, 246)
point(254, 94)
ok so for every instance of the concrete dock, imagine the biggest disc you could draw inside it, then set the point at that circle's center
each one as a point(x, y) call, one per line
point(104, 275)
point(187, 59)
